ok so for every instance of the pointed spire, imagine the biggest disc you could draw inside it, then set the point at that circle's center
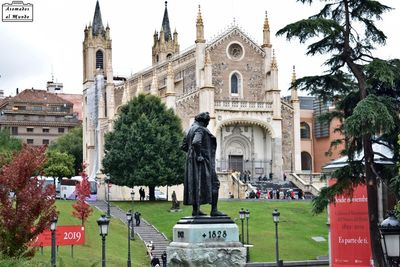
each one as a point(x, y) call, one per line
point(207, 58)
point(170, 70)
point(154, 84)
point(165, 24)
point(293, 93)
point(266, 32)
point(98, 28)
point(199, 28)
point(274, 63)
point(139, 89)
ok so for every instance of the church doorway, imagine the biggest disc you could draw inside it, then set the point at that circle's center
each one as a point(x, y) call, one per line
point(236, 163)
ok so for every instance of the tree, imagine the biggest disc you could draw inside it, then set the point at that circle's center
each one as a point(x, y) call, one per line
point(59, 165)
point(26, 207)
point(70, 143)
point(345, 30)
point(82, 210)
point(144, 148)
point(8, 145)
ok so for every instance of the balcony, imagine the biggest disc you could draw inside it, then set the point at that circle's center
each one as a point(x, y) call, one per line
point(239, 105)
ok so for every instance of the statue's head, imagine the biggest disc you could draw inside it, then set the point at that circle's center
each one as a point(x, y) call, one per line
point(203, 117)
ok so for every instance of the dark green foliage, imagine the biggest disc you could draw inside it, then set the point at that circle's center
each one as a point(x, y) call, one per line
point(144, 148)
point(352, 74)
point(71, 143)
point(364, 90)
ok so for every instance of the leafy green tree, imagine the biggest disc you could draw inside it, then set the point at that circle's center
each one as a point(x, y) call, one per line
point(359, 83)
point(8, 145)
point(144, 148)
point(71, 143)
point(58, 165)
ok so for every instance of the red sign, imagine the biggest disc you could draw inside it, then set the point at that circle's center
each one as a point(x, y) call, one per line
point(65, 235)
point(349, 231)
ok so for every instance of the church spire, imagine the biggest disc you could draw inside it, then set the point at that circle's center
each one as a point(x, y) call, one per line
point(293, 90)
point(97, 26)
point(165, 24)
point(266, 32)
point(199, 28)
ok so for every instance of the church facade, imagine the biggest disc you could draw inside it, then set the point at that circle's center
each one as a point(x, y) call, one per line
point(232, 77)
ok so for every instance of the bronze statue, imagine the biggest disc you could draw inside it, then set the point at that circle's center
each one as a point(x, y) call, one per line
point(201, 183)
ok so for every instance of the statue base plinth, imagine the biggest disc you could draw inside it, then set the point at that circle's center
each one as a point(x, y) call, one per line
point(206, 241)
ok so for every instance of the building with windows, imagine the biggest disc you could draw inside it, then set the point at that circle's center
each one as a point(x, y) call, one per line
point(37, 117)
point(231, 76)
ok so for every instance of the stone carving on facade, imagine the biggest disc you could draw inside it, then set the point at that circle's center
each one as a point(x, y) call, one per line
point(204, 257)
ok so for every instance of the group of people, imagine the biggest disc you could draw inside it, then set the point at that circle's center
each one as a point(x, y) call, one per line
point(276, 194)
point(142, 194)
point(155, 261)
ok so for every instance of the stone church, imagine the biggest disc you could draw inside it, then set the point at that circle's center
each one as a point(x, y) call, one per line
point(231, 76)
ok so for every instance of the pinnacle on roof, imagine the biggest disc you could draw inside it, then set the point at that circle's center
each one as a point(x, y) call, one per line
point(97, 26)
point(165, 24)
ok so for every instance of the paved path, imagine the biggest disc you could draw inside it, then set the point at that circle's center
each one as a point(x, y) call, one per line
point(145, 231)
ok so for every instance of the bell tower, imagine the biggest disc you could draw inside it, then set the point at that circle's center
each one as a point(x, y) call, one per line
point(97, 49)
point(165, 45)
point(98, 91)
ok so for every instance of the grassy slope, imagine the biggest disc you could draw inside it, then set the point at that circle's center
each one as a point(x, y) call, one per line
point(90, 253)
point(297, 226)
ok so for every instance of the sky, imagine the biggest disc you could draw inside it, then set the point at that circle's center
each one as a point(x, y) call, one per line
point(50, 47)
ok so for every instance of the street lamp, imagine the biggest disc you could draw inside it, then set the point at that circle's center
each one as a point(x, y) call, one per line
point(129, 219)
point(103, 227)
point(241, 216)
point(275, 216)
point(390, 231)
point(247, 215)
point(53, 227)
point(107, 180)
point(133, 229)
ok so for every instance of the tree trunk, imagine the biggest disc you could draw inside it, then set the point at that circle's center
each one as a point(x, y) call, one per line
point(372, 191)
point(151, 193)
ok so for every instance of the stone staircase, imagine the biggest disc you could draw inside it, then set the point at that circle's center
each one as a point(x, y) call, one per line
point(146, 232)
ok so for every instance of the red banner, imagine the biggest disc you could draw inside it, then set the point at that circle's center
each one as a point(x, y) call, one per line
point(349, 231)
point(65, 235)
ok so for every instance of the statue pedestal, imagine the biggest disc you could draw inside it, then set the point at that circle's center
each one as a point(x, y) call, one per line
point(206, 241)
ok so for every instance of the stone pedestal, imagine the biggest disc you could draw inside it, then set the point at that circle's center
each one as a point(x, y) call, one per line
point(205, 241)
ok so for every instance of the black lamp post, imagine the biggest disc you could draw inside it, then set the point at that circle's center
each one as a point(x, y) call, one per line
point(247, 215)
point(390, 231)
point(133, 212)
point(275, 216)
point(53, 227)
point(103, 227)
point(241, 216)
point(129, 219)
point(107, 180)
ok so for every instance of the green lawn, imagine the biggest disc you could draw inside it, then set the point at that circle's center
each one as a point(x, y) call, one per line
point(297, 225)
point(90, 253)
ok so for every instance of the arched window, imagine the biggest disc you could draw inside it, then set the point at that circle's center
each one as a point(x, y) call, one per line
point(235, 84)
point(99, 59)
point(169, 56)
point(305, 130)
point(306, 161)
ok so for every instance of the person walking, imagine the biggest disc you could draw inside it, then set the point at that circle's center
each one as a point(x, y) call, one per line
point(164, 259)
point(137, 218)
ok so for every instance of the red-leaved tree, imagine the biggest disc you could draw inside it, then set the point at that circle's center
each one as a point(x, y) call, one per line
point(82, 210)
point(26, 208)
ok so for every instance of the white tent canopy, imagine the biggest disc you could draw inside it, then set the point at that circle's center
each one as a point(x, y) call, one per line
point(382, 155)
